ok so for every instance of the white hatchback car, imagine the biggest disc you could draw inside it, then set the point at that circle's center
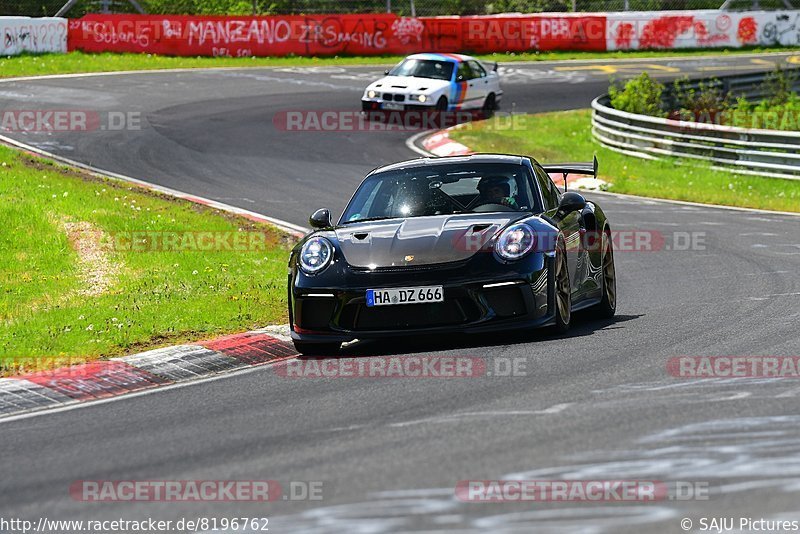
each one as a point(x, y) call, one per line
point(442, 82)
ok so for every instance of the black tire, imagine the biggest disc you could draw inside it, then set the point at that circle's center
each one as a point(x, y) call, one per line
point(608, 305)
point(490, 104)
point(563, 290)
point(317, 349)
point(441, 104)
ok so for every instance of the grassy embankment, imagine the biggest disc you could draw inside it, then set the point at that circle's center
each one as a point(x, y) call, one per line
point(77, 282)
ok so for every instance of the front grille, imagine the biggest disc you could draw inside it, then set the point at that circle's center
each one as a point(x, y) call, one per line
point(409, 315)
point(506, 301)
point(451, 312)
point(397, 98)
point(315, 313)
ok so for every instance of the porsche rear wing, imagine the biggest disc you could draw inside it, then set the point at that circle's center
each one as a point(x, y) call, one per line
point(588, 169)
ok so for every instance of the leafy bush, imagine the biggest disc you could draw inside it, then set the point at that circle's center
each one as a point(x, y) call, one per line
point(778, 85)
point(640, 95)
point(706, 102)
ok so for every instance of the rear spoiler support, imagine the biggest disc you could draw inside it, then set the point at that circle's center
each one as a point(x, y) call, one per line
point(588, 169)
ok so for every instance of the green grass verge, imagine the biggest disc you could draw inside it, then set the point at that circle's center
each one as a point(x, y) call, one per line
point(78, 62)
point(567, 136)
point(72, 290)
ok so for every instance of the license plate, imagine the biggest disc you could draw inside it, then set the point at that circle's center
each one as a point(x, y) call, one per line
point(392, 106)
point(406, 295)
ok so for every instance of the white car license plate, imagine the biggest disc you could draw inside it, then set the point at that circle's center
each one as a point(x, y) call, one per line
point(406, 295)
point(391, 106)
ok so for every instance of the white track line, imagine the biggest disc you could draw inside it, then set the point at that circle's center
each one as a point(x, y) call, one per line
point(286, 226)
point(645, 60)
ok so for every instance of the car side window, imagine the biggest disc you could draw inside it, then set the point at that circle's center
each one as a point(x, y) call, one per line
point(464, 72)
point(477, 70)
point(549, 191)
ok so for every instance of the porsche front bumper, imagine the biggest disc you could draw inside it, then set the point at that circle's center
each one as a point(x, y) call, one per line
point(476, 300)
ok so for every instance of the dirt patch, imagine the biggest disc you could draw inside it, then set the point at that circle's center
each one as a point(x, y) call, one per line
point(96, 269)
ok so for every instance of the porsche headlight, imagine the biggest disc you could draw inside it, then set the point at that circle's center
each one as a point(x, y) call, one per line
point(315, 255)
point(515, 242)
point(371, 94)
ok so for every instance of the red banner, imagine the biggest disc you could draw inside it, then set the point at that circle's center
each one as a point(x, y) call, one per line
point(327, 35)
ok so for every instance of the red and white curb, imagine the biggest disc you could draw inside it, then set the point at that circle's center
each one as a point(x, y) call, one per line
point(439, 144)
point(155, 368)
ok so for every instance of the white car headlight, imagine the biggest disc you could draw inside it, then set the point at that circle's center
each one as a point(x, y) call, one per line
point(315, 255)
point(371, 94)
point(515, 242)
point(420, 98)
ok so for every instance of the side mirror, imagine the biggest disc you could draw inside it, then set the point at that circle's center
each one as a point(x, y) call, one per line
point(570, 202)
point(386, 72)
point(460, 78)
point(320, 218)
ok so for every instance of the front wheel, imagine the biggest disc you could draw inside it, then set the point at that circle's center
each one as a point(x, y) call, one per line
point(317, 349)
point(441, 104)
point(608, 304)
point(490, 104)
point(563, 291)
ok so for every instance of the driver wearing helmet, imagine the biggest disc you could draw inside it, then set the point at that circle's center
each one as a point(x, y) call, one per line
point(496, 190)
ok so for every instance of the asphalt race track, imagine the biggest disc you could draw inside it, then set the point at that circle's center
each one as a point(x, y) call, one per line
point(597, 404)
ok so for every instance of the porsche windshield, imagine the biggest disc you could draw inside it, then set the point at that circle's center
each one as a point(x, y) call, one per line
point(424, 68)
point(442, 190)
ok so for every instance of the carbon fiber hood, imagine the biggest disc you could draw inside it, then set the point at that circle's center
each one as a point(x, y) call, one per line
point(419, 240)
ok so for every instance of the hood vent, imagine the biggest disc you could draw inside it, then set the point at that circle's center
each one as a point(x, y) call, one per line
point(361, 236)
point(480, 228)
point(399, 87)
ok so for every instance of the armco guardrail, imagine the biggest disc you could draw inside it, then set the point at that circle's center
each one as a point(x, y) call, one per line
point(749, 151)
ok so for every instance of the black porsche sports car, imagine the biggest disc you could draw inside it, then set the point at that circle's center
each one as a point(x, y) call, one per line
point(447, 245)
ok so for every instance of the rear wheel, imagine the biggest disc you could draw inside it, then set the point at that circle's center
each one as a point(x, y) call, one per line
point(317, 349)
point(441, 104)
point(563, 291)
point(608, 305)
